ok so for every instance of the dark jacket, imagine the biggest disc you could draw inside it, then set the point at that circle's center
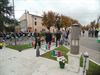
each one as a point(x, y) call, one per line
point(58, 35)
point(36, 35)
point(48, 37)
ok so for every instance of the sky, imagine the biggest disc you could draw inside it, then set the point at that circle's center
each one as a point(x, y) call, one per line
point(84, 11)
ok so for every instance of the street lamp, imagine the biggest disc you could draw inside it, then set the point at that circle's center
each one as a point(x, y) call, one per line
point(85, 63)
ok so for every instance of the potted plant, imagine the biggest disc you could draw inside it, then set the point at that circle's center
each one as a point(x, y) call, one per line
point(1, 45)
point(62, 60)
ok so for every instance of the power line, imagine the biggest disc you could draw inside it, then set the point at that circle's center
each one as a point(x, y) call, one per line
point(22, 0)
point(24, 10)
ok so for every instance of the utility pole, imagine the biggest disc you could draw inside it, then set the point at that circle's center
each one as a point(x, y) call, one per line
point(13, 10)
point(14, 19)
point(26, 19)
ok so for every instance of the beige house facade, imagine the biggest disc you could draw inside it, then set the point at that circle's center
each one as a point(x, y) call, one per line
point(29, 22)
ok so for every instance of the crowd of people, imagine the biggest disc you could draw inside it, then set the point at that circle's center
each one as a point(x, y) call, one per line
point(93, 33)
point(59, 37)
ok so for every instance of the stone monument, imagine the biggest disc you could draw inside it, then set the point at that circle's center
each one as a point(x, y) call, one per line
point(73, 55)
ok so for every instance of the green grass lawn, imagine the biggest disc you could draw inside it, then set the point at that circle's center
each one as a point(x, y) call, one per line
point(62, 49)
point(20, 47)
point(94, 69)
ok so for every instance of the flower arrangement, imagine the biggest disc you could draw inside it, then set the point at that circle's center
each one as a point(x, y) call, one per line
point(62, 60)
point(1, 45)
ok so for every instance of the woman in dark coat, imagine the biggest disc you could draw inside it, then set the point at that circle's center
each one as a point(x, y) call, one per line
point(48, 37)
point(37, 39)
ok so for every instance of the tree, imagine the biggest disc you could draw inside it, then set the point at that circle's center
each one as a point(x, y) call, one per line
point(11, 26)
point(58, 21)
point(48, 19)
point(45, 19)
point(6, 11)
point(97, 24)
point(54, 19)
point(93, 24)
point(67, 21)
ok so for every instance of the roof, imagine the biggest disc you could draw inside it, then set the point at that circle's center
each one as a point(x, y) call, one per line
point(32, 15)
point(36, 15)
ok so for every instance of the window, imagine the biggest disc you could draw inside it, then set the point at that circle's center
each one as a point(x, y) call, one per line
point(35, 18)
point(35, 23)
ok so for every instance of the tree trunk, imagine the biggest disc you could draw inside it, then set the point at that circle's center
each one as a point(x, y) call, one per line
point(1, 26)
point(65, 28)
point(48, 28)
point(58, 28)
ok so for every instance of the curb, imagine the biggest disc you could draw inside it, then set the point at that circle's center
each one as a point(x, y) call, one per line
point(94, 62)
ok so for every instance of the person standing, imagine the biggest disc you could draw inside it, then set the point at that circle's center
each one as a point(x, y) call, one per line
point(48, 37)
point(58, 36)
point(83, 32)
point(37, 39)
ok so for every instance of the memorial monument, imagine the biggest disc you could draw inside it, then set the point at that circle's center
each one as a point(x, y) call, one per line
point(74, 55)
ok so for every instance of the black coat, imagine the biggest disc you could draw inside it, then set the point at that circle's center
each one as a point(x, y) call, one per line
point(58, 35)
point(48, 37)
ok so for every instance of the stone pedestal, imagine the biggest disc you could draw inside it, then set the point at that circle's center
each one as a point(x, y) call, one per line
point(74, 62)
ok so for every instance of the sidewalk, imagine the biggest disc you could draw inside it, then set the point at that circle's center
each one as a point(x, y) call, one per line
point(13, 62)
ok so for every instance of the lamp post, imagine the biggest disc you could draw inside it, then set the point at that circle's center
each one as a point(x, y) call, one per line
point(85, 63)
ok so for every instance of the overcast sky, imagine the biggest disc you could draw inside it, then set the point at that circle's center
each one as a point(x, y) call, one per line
point(83, 10)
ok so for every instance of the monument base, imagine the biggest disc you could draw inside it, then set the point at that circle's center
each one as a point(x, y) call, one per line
point(74, 62)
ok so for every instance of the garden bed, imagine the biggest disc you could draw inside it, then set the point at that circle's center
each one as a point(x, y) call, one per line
point(94, 69)
point(20, 47)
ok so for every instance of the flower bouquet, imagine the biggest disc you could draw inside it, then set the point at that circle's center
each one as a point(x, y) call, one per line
point(62, 60)
point(1, 45)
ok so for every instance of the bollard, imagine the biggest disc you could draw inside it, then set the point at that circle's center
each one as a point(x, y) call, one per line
point(33, 43)
point(58, 43)
point(37, 51)
point(85, 63)
point(46, 46)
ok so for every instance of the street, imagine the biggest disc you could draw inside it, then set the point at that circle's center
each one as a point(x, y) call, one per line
point(89, 42)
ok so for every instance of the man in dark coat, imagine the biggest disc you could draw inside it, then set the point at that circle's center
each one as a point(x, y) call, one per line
point(58, 36)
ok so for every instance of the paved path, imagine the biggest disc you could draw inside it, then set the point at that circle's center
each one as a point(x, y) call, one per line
point(13, 62)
